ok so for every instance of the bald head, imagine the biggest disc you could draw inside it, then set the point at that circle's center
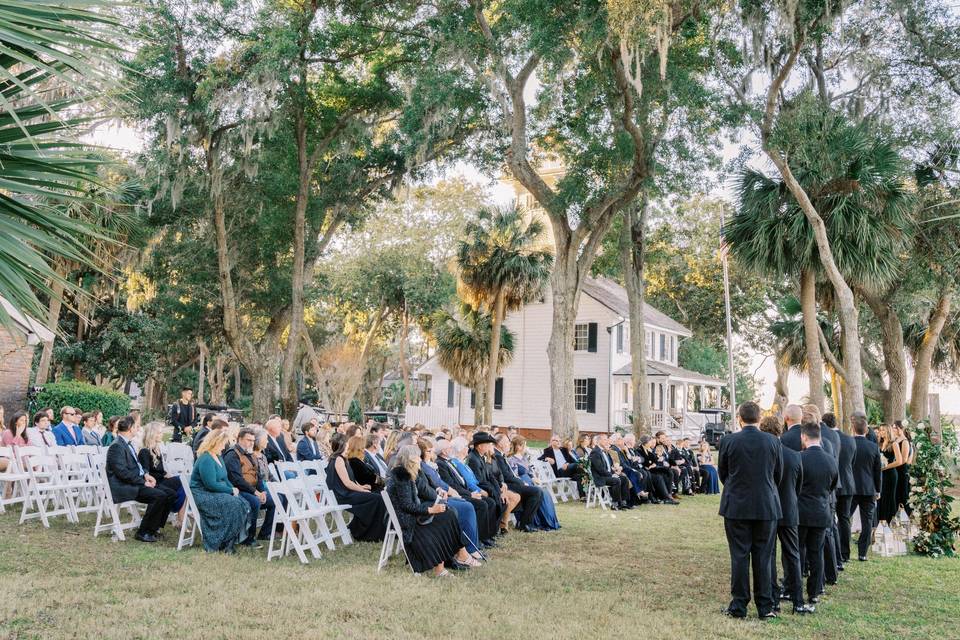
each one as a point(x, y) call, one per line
point(273, 426)
point(792, 414)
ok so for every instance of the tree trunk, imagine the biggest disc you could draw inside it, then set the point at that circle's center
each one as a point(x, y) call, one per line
point(368, 340)
point(53, 321)
point(924, 360)
point(894, 356)
point(566, 293)
point(479, 392)
point(811, 336)
point(781, 387)
point(632, 256)
point(264, 382)
point(237, 382)
point(846, 407)
point(496, 320)
point(402, 350)
point(835, 395)
point(201, 371)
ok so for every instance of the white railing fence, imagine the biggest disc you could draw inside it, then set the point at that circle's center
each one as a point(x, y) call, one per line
point(431, 417)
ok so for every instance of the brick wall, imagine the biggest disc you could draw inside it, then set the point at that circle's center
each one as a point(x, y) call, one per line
point(15, 360)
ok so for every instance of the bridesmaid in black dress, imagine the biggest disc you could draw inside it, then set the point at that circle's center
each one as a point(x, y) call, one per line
point(369, 521)
point(887, 507)
point(902, 442)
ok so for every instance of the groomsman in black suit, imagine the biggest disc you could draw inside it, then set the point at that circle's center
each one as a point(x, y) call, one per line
point(750, 465)
point(819, 481)
point(789, 491)
point(866, 468)
point(792, 414)
point(601, 468)
point(830, 441)
point(845, 490)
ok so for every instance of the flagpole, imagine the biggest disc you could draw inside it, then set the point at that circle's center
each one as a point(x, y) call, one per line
point(726, 303)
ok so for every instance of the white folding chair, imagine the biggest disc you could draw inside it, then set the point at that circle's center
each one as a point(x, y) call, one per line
point(51, 494)
point(393, 540)
point(81, 481)
point(108, 515)
point(287, 469)
point(177, 458)
point(297, 533)
point(190, 526)
point(562, 489)
point(14, 482)
point(598, 496)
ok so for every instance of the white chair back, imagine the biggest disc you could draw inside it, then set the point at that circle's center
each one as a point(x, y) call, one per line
point(393, 540)
point(190, 527)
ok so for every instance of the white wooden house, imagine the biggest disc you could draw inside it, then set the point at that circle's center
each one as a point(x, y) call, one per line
point(601, 371)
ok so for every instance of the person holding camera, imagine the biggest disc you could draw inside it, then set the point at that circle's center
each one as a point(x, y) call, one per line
point(183, 415)
point(431, 533)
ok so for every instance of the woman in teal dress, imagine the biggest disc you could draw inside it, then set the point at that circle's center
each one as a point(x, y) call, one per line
point(223, 514)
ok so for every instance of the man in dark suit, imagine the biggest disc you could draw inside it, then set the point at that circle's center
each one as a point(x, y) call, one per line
point(819, 481)
point(562, 461)
point(276, 448)
point(637, 489)
point(486, 507)
point(792, 414)
point(374, 457)
point(866, 468)
point(789, 490)
point(750, 465)
point(831, 546)
point(846, 487)
point(530, 497)
point(659, 476)
point(484, 467)
point(128, 481)
point(202, 432)
point(605, 475)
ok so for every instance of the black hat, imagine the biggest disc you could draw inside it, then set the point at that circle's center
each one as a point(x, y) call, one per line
point(482, 437)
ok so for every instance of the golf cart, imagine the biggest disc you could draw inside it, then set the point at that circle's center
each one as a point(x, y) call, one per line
point(716, 425)
point(389, 418)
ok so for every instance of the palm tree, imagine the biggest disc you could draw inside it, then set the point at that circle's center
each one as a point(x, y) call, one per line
point(50, 49)
point(503, 265)
point(855, 179)
point(463, 349)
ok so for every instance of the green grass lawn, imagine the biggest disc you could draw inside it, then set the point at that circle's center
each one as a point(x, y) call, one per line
point(654, 572)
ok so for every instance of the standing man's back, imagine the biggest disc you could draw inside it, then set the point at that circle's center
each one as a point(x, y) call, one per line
point(750, 465)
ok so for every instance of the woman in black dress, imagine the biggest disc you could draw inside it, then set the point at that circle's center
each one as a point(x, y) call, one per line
point(151, 460)
point(363, 473)
point(903, 443)
point(887, 507)
point(369, 521)
point(431, 533)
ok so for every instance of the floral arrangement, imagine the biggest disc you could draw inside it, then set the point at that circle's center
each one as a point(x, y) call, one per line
point(929, 497)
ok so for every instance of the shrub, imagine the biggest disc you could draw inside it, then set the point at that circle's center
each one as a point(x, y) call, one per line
point(83, 396)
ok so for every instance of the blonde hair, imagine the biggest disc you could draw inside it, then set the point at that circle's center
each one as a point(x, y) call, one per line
point(152, 439)
point(518, 443)
point(408, 457)
point(214, 443)
point(391, 444)
point(354, 447)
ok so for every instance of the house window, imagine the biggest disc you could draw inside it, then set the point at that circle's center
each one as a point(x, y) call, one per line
point(450, 393)
point(653, 395)
point(473, 399)
point(649, 344)
point(620, 338)
point(663, 347)
point(673, 396)
point(585, 337)
point(625, 391)
point(673, 349)
point(585, 394)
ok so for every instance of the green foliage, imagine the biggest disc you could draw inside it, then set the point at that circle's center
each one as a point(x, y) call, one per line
point(463, 345)
point(83, 396)
point(930, 492)
point(702, 356)
point(121, 346)
point(355, 412)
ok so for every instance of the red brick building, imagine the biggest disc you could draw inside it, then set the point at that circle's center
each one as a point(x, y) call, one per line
point(18, 339)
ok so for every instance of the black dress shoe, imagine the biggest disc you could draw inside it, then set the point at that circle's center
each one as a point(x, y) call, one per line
point(840, 567)
point(814, 599)
point(529, 529)
point(862, 558)
point(804, 609)
point(734, 614)
point(674, 502)
point(769, 615)
point(145, 537)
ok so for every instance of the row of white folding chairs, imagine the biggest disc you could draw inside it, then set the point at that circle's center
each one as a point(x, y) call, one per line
point(560, 489)
point(307, 512)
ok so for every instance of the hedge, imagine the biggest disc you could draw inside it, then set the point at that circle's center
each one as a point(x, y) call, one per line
point(83, 396)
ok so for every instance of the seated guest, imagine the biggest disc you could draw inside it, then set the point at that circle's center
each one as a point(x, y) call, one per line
point(307, 448)
point(67, 433)
point(692, 466)
point(129, 481)
point(363, 472)
point(277, 448)
point(39, 435)
point(373, 457)
point(464, 483)
point(546, 517)
point(636, 474)
point(487, 472)
point(530, 497)
point(678, 464)
point(202, 432)
point(563, 462)
point(224, 515)
point(605, 475)
point(151, 460)
point(659, 468)
point(709, 480)
point(430, 485)
point(15, 435)
point(110, 432)
point(431, 533)
point(259, 446)
point(369, 512)
point(249, 477)
point(390, 446)
point(583, 447)
point(88, 423)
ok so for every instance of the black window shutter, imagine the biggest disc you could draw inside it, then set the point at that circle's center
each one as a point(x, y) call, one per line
point(449, 393)
point(498, 394)
point(592, 337)
point(592, 394)
point(473, 398)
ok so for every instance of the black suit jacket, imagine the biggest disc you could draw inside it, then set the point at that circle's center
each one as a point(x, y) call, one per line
point(274, 453)
point(789, 488)
point(123, 472)
point(509, 477)
point(452, 477)
point(548, 453)
point(819, 481)
point(750, 465)
point(848, 448)
point(791, 438)
point(866, 468)
point(620, 457)
point(831, 437)
point(488, 475)
point(598, 465)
